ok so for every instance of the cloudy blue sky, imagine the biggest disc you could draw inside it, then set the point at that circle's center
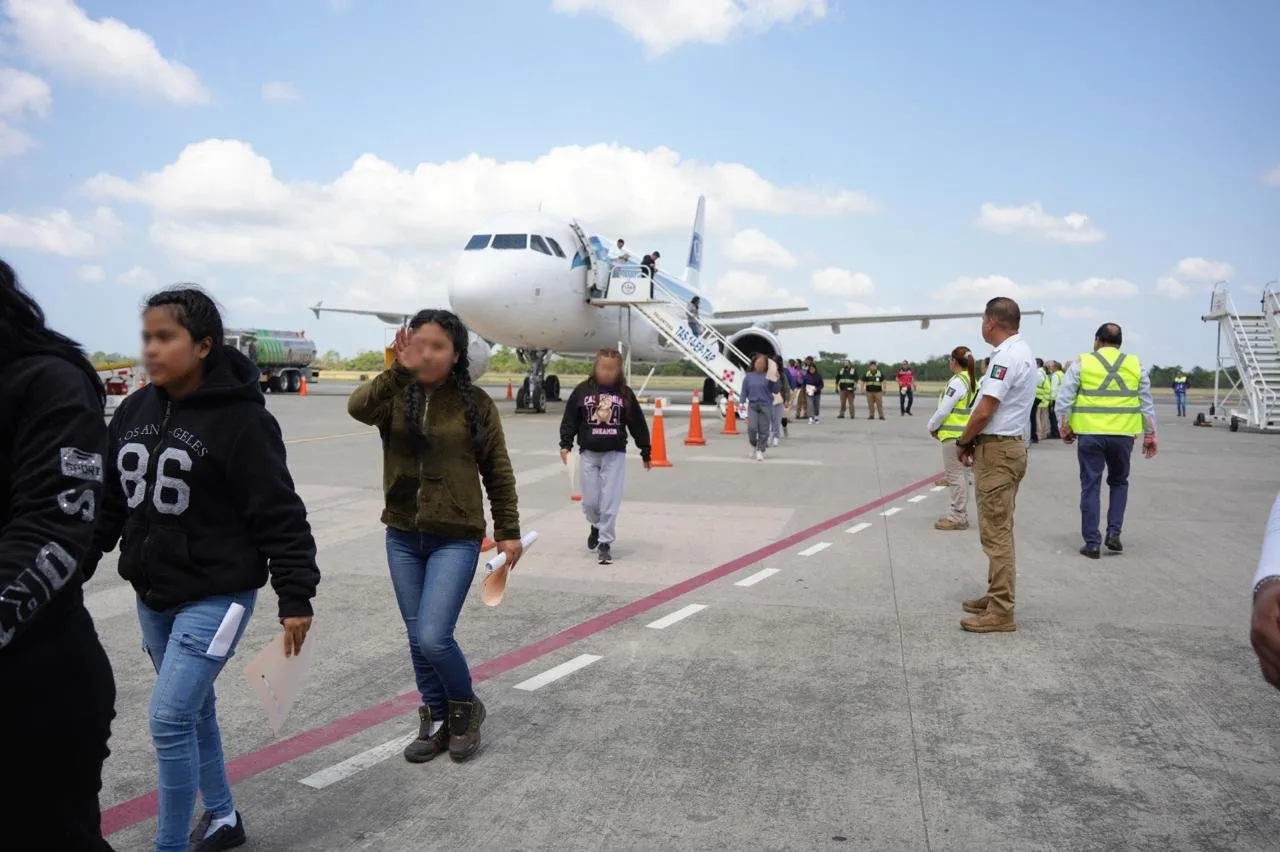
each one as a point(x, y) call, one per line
point(1099, 159)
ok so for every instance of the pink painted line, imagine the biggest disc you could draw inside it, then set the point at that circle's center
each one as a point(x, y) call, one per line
point(130, 813)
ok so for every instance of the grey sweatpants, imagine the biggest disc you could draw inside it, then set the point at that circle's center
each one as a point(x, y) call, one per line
point(759, 424)
point(603, 475)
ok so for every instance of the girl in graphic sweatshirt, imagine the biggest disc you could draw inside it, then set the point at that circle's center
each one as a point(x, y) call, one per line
point(599, 414)
point(57, 693)
point(199, 497)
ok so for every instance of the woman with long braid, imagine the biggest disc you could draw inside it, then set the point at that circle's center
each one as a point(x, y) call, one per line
point(441, 437)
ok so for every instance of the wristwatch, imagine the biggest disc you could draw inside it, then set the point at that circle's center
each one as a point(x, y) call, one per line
point(1264, 582)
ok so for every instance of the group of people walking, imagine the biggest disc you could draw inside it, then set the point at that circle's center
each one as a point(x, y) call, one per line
point(190, 480)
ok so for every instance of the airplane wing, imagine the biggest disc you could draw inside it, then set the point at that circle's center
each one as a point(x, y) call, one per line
point(756, 312)
point(836, 322)
point(389, 317)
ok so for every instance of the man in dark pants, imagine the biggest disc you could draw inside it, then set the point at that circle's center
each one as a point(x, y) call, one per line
point(1105, 400)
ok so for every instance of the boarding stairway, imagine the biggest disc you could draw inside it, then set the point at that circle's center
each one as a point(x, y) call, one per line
point(629, 285)
point(1253, 342)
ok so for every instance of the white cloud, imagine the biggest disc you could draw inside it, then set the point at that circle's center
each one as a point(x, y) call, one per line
point(13, 142)
point(137, 278)
point(221, 202)
point(91, 274)
point(1201, 269)
point(833, 281)
point(59, 233)
point(1031, 219)
point(60, 35)
point(1068, 312)
point(21, 92)
point(739, 290)
point(1169, 286)
point(1272, 178)
point(663, 25)
point(750, 247)
point(979, 289)
point(279, 91)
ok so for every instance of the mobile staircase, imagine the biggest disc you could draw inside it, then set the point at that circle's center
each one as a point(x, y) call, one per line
point(1253, 352)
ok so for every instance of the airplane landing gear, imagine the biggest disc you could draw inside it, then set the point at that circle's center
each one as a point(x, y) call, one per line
point(532, 396)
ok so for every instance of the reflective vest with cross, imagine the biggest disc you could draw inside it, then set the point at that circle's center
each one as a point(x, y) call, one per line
point(1107, 401)
point(954, 424)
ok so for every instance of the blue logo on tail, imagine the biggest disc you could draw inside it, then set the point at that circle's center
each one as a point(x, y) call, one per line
point(695, 251)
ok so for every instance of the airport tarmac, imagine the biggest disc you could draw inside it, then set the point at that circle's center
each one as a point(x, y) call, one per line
point(774, 661)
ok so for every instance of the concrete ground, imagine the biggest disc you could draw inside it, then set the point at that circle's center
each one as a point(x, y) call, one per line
point(774, 661)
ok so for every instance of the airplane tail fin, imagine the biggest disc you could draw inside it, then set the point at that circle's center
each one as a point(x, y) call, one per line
point(693, 268)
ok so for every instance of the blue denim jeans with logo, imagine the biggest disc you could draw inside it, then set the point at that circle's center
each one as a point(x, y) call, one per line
point(431, 576)
point(189, 646)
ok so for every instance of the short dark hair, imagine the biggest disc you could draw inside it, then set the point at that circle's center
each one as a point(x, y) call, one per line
point(1110, 334)
point(1005, 312)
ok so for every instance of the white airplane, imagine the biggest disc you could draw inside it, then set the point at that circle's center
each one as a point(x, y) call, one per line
point(540, 285)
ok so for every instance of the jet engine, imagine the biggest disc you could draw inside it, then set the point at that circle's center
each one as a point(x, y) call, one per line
point(756, 341)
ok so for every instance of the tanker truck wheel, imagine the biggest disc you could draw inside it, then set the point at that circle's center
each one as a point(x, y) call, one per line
point(274, 385)
point(293, 382)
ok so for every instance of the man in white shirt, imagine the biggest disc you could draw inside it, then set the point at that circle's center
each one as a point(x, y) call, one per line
point(1265, 629)
point(993, 445)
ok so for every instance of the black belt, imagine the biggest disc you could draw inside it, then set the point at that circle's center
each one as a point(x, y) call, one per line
point(982, 439)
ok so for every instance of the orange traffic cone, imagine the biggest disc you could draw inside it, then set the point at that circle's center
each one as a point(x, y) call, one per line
point(510, 390)
point(302, 388)
point(695, 438)
point(730, 420)
point(658, 456)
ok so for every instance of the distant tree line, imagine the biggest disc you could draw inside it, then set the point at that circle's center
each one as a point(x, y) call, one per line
point(504, 360)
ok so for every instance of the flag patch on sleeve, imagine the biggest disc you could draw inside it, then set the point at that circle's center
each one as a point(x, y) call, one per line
point(997, 372)
point(951, 392)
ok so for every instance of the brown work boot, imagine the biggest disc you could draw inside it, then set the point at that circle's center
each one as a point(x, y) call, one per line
point(950, 524)
point(426, 746)
point(465, 719)
point(977, 606)
point(941, 482)
point(991, 621)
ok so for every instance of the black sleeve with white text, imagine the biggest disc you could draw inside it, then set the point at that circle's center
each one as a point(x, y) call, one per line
point(56, 438)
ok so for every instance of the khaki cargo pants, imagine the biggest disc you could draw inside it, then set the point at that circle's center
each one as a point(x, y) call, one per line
point(999, 463)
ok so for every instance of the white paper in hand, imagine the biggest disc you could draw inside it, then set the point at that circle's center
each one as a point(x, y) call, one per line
point(277, 680)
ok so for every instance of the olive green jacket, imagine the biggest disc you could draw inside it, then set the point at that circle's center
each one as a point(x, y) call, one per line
point(435, 488)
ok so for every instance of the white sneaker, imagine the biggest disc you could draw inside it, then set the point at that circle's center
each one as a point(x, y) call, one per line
point(773, 442)
point(759, 456)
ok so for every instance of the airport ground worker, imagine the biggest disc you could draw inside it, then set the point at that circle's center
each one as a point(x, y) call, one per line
point(955, 404)
point(873, 387)
point(441, 437)
point(57, 691)
point(1180, 392)
point(847, 383)
point(993, 443)
point(598, 415)
point(1104, 402)
point(1265, 628)
point(197, 491)
point(1040, 406)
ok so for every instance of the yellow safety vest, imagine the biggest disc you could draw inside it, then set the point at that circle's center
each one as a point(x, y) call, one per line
point(1044, 388)
point(1107, 402)
point(954, 424)
point(1055, 382)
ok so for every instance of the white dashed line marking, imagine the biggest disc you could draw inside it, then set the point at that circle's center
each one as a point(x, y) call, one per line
point(679, 615)
point(918, 498)
point(889, 512)
point(857, 528)
point(817, 548)
point(562, 670)
point(757, 577)
point(938, 488)
point(358, 763)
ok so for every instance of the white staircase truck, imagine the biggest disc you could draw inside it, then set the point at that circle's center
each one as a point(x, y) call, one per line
point(1253, 349)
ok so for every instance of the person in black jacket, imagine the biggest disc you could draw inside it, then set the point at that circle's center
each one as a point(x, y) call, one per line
point(204, 508)
point(598, 414)
point(57, 692)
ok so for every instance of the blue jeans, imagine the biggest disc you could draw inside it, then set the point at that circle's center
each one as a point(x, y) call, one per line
point(431, 576)
point(1182, 403)
point(183, 718)
point(1096, 454)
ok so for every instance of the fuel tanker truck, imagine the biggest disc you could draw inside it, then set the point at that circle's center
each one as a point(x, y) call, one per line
point(283, 357)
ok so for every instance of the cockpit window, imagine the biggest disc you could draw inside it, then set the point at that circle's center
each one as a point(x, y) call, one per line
point(555, 247)
point(537, 243)
point(510, 241)
point(477, 242)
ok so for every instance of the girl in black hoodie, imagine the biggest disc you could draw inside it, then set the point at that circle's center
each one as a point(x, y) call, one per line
point(57, 693)
point(198, 494)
